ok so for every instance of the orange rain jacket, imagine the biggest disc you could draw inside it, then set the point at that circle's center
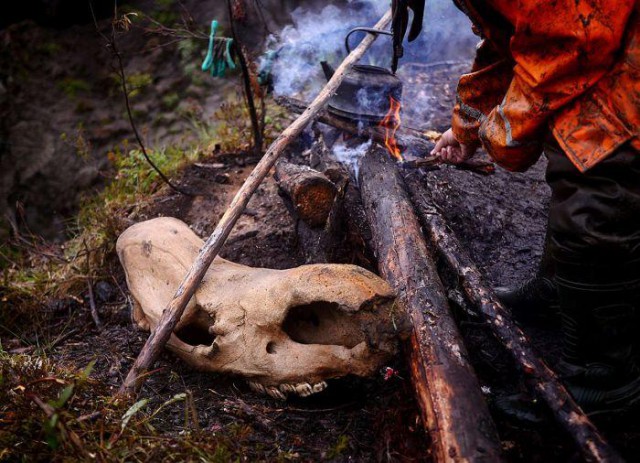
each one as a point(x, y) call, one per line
point(572, 66)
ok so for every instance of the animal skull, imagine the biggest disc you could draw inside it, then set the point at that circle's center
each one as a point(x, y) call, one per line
point(286, 331)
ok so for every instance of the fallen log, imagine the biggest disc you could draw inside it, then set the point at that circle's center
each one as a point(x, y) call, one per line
point(311, 193)
point(174, 310)
point(452, 405)
point(545, 382)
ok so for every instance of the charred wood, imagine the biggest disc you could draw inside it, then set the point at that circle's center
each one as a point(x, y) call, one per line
point(410, 141)
point(452, 405)
point(545, 382)
point(320, 239)
point(311, 193)
point(353, 225)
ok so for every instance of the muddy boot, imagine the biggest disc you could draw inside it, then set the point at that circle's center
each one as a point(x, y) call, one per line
point(600, 311)
point(536, 300)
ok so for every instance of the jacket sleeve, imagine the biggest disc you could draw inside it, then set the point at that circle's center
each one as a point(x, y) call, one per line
point(480, 91)
point(560, 50)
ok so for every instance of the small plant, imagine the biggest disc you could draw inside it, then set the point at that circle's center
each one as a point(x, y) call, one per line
point(79, 140)
point(137, 82)
point(72, 86)
point(170, 101)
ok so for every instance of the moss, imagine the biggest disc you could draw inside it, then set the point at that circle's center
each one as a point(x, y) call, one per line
point(35, 273)
point(72, 86)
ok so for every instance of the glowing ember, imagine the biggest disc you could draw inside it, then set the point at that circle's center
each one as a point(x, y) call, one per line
point(390, 123)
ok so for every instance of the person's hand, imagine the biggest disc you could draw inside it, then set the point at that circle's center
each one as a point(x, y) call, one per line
point(451, 151)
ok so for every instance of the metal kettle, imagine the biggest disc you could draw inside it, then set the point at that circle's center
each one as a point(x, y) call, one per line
point(365, 93)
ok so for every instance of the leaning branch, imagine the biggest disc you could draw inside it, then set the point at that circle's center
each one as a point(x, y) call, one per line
point(172, 313)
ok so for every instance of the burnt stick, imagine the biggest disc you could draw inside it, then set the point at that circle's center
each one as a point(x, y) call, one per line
point(410, 141)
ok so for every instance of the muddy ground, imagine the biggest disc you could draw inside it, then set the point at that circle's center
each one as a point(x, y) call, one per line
point(501, 221)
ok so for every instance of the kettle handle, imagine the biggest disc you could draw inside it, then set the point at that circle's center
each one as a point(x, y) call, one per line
point(370, 30)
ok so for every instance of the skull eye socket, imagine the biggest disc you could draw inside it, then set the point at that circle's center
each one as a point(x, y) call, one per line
point(322, 322)
point(195, 334)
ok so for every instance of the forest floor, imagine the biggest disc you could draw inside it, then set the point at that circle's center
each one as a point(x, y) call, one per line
point(53, 411)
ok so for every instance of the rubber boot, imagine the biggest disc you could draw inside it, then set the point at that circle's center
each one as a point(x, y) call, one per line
point(536, 300)
point(599, 308)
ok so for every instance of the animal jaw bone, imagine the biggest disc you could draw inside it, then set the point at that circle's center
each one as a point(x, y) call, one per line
point(286, 331)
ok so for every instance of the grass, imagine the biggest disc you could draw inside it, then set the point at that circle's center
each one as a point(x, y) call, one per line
point(36, 273)
point(72, 86)
point(48, 413)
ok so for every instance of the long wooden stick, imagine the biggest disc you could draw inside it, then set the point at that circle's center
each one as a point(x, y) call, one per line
point(452, 405)
point(593, 446)
point(172, 313)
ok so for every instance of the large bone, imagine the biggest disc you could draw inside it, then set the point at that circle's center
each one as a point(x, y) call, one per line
point(277, 328)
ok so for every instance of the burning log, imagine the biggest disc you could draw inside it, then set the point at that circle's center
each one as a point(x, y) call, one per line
point(174, 310)
point(410, 141)
point(544, 380)
point(407, 139)
point(311, 193)
point(453, 408)
point(349, 219)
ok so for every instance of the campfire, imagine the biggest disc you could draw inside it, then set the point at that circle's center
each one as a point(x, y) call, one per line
point(385, 203)
point(391, 124)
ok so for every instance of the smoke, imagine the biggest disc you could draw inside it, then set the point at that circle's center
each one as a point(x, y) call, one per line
point(318, 34)
point(350, 156)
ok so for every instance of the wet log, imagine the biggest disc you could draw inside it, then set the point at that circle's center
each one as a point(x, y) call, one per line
point(174, 310)
point(452, 405)
point(480, 293)
point(311, 193)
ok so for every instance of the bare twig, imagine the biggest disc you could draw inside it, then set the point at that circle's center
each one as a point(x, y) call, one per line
point(92, 304)
point(112, 45)
point(246, 79)
point(92, 300)
point(64, 431)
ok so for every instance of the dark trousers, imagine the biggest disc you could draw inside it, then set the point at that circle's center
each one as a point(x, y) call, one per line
point(594, 217)
point(594, 223)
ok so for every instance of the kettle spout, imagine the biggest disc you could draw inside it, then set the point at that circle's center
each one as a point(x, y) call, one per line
point(328, 70)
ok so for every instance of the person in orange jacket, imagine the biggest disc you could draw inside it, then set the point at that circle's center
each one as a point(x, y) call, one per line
point(563, 78)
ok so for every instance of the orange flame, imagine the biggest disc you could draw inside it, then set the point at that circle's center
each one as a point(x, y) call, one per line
point(391, 123)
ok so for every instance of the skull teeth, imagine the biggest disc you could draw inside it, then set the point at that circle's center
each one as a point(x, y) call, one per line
point(319, 387)
point(257, 387)
point(281, 391)
point(275, 393)
point(287, 388)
